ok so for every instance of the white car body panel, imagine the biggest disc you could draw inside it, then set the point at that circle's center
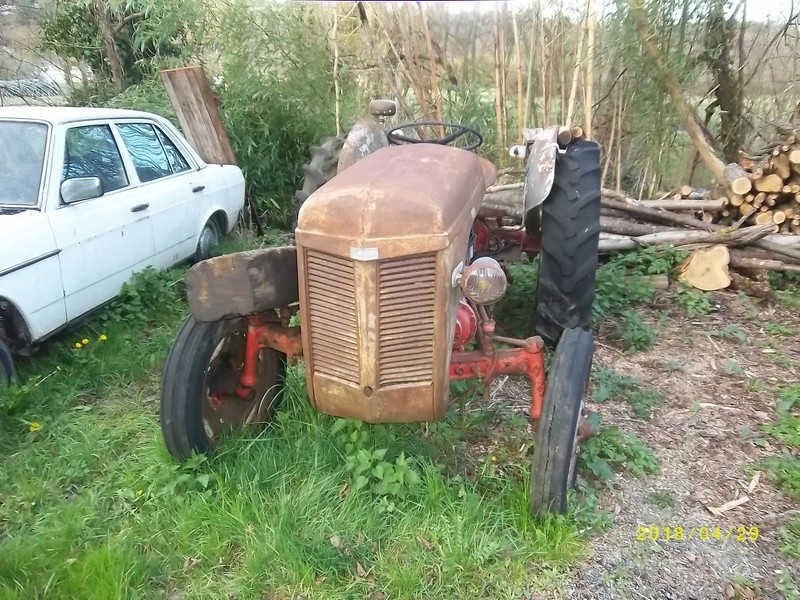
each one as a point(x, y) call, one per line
point(59, 262)
point(31, 282)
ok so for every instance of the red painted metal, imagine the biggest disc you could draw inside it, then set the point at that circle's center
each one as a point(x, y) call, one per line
point(528, 360)
point(266, 334)
point(466, 325)
point(481, 241)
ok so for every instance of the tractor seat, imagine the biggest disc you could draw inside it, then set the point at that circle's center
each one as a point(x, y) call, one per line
point(383, 108)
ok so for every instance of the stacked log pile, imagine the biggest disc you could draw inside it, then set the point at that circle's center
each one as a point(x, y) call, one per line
point(766, 189)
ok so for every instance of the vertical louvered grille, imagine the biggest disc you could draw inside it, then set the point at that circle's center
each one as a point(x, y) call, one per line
point(406, 306)
point(332, 308)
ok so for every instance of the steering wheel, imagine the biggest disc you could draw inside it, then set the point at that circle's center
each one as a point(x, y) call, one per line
point(459, 130)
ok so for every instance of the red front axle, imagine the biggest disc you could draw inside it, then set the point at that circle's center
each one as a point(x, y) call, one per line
point(526, 360)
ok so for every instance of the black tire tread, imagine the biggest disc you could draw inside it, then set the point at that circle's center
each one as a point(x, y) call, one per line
point(555, 434)
point(180, 436)
point(182, 387)
point(570, 234)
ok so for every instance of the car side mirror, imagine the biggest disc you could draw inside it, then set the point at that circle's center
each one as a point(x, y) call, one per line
point(81, 188)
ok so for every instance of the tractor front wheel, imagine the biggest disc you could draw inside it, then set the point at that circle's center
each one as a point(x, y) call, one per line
point(557, 435)
point(199, 399)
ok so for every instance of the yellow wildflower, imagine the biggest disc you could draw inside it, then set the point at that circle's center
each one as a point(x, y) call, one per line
point(103, 337)
point(34, 426)
point(78, 345)
point(85, 341)
point(139, 493)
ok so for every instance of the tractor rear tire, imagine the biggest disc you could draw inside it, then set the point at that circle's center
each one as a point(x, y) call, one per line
point(570, 234)
point(556, 449)
point(322, 168)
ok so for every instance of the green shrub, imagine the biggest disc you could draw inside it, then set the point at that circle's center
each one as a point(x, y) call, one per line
point(613, 449)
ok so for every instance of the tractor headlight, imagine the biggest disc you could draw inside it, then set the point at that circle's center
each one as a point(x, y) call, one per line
point(484, 281)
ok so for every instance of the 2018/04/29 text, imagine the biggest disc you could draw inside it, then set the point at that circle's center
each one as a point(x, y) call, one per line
point(704, 533)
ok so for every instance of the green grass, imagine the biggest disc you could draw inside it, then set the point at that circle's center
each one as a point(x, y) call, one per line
point(784, 471)
point(93, 506)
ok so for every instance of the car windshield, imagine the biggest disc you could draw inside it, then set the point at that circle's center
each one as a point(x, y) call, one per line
point(22, 147)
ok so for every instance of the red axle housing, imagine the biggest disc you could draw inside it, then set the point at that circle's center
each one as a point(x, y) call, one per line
point(526, 360)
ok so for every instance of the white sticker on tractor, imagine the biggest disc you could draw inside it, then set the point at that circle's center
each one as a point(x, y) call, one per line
point(364, 253)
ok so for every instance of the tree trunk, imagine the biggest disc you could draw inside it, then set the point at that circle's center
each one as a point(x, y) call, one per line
point(668, 81)
point(729, 90)
point(110, 43)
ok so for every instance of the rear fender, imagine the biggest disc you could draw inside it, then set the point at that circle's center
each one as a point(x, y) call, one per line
point(540, 170)
point(243, 283)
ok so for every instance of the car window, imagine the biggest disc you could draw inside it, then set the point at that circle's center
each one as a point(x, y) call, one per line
point(22, 149)
point(90, 151)
point(146, 151)
point(176, 160)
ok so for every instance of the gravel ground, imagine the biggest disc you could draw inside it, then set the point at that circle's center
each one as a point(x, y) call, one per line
point(706, 435)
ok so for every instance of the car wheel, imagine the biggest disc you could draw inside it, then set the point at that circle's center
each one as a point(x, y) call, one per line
point(6, 365)
point(209, 237)
point(557, 441)
point(570, 226)
point(199, 404)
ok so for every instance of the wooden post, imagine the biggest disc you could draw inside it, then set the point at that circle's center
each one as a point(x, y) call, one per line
point(196, 107)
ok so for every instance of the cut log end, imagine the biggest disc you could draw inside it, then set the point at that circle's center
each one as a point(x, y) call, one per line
point(741, 185)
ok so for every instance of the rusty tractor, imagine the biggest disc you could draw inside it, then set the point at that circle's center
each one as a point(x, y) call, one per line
point(392, 277)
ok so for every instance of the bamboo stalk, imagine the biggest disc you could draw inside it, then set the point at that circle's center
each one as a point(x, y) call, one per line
point(529, 84)
point(518, 60)
point(437, 99)
point(336, 91)
point(575, 72)
point(499, 91)
point(589, 85)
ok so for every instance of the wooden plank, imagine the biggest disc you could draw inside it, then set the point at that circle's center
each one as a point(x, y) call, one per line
point(196, 107)
point(243, 283)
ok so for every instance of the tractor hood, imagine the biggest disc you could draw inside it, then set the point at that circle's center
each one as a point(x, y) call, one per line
point(398, 200)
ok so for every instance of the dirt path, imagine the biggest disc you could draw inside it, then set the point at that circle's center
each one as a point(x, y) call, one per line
point(719, 392)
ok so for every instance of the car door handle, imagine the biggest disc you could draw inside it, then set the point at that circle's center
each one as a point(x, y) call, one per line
point(198, 188)
point(140, 207)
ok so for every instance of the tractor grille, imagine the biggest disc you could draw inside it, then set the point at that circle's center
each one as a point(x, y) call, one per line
point(406, 310)
point(332, 309)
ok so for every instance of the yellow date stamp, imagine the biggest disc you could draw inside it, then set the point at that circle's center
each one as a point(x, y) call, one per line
point(703, 533)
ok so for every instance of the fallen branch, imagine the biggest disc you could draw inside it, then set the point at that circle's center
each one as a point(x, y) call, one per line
point(685, 238)
point(625, 227)
point(708, 205)
point(762, 264)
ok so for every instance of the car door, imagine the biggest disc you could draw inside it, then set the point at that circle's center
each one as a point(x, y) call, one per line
point(169, 184)
point(103, 240)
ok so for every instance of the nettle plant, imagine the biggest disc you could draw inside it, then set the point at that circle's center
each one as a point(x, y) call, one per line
point(368, 466)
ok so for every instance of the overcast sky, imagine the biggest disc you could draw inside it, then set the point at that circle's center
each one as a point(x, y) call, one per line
point(757, 10)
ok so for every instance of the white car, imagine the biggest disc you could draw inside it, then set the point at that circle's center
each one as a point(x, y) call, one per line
point(87, 198)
